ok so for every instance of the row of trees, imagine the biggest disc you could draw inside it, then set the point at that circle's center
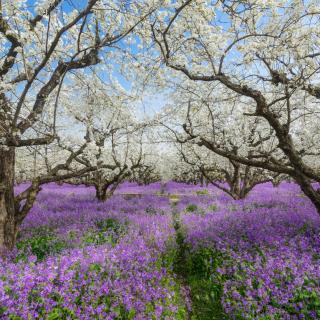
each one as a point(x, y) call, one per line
point(247, 74)
point(240, 80)
point(48, 49)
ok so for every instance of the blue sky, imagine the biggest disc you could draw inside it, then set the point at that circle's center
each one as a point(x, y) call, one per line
point(149, 104)
point(67, 4)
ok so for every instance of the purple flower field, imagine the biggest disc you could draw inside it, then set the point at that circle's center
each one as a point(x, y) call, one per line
point(146, 252)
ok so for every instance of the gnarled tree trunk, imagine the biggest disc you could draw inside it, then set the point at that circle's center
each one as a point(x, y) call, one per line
point(310, 191)
point(8, 227)
point(101, 192)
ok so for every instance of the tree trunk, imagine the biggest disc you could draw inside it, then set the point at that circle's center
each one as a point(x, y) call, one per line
point(8, 227)
point(308, 190)
point(201, 181)
point(234, 195)
point(234, 184)
point(101, 192)
point(246, 187)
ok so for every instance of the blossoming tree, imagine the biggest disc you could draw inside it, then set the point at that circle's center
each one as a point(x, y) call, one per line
point(266, 53)
point(40, 49)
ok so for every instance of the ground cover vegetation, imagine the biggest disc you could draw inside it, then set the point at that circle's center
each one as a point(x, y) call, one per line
point(146, 256)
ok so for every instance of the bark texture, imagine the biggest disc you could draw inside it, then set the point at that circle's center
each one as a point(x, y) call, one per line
point(8, 225)
point(101, 192)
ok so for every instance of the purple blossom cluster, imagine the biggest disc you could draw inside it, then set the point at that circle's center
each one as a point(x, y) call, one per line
point(97, 282)
point(115, 279)
point(271, 244)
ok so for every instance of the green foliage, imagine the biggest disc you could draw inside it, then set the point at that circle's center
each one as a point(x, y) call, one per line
point(198, 269)
point(108, 224)
point(191, 207)
point(14, 317)
point(61, 313)
point(42, 243)
point(202, 192)
point(213, 207)
point(72, 234)
point(206, 283)
point(309, 299)
point(107, 231)
point(2, 310)
point(173, 284)
point(233, 208)
point(316, 257)
point(204, 261)
point(123, 314)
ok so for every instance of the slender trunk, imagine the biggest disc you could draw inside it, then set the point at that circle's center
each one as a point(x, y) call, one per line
point(101, 192)
point(8, 226)
point(235, 187)
point(201, 181)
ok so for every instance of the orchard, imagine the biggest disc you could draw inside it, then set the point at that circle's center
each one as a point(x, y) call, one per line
point(159, 159)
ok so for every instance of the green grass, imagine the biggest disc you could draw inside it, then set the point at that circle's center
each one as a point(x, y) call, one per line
point(205, 283)
point(197, 270)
